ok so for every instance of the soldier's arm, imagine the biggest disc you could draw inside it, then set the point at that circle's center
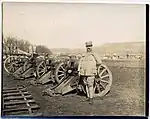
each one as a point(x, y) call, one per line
point(97, 58)
point(79, 64)
point(80, 61)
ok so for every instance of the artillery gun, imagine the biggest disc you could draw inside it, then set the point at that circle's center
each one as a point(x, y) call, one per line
point(67, 78)
point(14, 61)
point(30, 65)
point(46, 69)
point(22, 64)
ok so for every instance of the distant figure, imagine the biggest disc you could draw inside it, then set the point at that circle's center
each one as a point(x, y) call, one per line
point(127, 56)
point(114, 56)
point(88, 70)
point(140, 57)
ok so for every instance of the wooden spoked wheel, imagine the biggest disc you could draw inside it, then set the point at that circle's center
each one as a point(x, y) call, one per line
point(61, 72)
point(103, 82)
point(41, 69)
point(12, 63)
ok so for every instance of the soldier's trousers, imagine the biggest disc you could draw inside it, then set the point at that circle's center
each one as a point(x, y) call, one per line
point(89, 82)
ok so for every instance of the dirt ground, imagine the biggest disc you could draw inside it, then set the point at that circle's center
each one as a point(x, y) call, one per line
point(127, 96)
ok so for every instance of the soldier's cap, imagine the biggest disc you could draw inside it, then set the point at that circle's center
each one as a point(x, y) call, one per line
point(89, 44)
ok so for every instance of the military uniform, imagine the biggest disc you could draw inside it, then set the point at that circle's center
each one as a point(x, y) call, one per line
point(87, 70)
point(88, 64)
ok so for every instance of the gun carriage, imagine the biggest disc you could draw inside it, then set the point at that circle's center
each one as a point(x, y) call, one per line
point(67, 78)
point(19, 64)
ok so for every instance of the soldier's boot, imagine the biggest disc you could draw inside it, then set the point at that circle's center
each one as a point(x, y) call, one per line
point(91, 101)
point(91, 94)
point(86, 100)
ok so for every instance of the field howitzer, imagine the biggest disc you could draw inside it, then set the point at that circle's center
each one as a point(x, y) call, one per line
point(40, 67)
point(49, 70)
point(21, 65)
point(46, 69)
point(67, 78)
point(36, 66)
point(30, 66)
point(14, 61)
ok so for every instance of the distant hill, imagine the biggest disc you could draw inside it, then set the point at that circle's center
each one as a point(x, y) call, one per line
point(62, 50)
point(121, 48)
point(110, 48)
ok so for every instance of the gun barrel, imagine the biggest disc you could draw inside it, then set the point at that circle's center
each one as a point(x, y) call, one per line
point(22, 52)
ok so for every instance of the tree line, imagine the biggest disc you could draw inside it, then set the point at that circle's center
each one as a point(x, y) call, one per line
point(10, 45)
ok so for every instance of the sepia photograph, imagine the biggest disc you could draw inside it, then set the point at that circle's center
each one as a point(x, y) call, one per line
point(73, 59)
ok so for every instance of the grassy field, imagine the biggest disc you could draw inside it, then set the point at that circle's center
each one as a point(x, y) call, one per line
point(126, 97)
point(128, 63)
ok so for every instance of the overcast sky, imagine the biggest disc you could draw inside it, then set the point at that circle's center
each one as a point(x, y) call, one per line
point(62, 25)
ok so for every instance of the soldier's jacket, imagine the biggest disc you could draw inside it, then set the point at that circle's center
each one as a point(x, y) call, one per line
point(87, 64)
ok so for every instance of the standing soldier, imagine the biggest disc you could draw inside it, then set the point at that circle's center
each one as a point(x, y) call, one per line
point(88, 70)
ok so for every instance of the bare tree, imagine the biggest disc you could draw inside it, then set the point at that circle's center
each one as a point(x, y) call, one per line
point(43, 49)
point(10, 44)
